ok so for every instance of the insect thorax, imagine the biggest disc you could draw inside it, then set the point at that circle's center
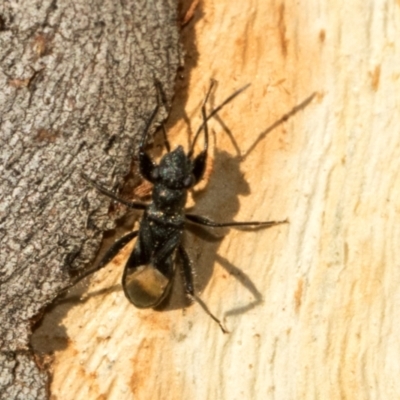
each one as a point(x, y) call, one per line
point(170, 201)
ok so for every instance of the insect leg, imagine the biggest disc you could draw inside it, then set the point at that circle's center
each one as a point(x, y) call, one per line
point(197, 219)
point(110, 254)
point(188, 283)
point(131, 204)
point(167, 249)
point(165, 103)
point(146, 165)
point(117, 247)
point(147, 252)
point(166, 141)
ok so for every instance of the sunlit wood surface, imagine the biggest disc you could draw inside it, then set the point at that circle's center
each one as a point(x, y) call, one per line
point(312, 306)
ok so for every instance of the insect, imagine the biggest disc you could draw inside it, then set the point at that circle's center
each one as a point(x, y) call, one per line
point(148, 273)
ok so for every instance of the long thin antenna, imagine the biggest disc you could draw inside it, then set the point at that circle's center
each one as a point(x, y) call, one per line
point(215, 111)
point(204, 124)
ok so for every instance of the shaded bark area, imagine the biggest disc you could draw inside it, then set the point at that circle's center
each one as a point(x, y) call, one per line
point(76, 90)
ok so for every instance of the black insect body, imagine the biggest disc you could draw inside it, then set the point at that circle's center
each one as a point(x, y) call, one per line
point(150, 268)
point(149, 271)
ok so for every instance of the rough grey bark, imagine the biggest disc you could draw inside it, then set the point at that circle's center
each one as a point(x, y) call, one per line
point(76, 89)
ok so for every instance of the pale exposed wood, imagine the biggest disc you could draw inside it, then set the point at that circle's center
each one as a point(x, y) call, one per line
point(313, 314)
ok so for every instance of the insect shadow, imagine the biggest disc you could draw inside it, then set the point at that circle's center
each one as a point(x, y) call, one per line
point(233, 162)
point(221, 200)
point(149, 272)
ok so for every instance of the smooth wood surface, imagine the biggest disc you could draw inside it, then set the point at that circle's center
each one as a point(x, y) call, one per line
point(312, 306)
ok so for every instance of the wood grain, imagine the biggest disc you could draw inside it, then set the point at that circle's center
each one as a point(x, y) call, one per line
point(311, 306)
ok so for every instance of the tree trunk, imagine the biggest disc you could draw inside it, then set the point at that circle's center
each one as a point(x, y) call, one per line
point(311, 305)
point(77, 86)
